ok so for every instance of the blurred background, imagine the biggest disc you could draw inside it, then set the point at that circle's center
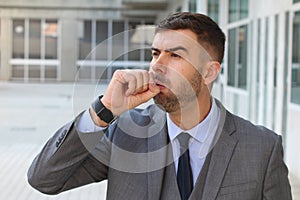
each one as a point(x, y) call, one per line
point(56, 56)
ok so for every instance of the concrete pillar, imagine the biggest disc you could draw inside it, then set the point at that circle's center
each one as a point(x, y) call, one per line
point(69, 49)
point(202, 7)
point(6, 48)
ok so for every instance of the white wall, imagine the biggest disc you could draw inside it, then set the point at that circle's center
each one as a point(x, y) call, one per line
point(259, 8)
point(61, 3)
point(292, 140)
point(242, 102)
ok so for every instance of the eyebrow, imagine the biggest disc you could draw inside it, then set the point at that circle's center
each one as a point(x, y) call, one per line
point(171, 49)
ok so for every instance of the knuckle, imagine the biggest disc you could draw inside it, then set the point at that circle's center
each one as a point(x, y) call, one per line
point(118, 73)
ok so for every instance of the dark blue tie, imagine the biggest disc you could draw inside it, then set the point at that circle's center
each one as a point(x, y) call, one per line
point(184, 173)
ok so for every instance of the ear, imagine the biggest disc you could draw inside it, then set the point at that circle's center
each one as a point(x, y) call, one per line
point(212, 70)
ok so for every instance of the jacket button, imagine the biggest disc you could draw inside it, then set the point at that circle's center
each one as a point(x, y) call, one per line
point(64, 133)
point(57, 143)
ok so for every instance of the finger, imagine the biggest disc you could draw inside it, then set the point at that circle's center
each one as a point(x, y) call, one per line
point(146, 79)
point(151, 78)
point(131, 81)
point(142, 78)
point(145, 96)
point(139, 81)
point(152, 85)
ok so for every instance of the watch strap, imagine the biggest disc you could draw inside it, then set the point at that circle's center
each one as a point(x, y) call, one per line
point(102, 112)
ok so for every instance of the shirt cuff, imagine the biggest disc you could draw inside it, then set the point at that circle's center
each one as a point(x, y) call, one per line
point(87, 125)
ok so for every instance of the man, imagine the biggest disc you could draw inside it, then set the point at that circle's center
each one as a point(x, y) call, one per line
point(185, 146)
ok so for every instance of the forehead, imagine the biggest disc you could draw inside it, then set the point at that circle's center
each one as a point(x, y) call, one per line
point(165, 39)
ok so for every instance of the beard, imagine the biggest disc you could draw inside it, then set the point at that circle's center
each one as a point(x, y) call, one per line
point(186, 92)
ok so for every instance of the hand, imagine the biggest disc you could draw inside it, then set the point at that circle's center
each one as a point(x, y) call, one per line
point(128, 89)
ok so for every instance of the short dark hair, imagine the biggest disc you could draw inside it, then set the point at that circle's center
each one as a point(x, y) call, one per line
point(209, 34)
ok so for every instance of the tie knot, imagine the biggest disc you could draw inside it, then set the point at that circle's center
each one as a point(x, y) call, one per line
point(183, 139)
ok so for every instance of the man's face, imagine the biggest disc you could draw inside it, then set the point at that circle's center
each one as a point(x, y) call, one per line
point(176, 61)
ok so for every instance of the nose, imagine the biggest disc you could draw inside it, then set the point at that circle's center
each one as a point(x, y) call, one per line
point(159, 64)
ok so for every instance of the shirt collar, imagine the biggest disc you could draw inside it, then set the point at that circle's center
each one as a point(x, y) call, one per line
point(199, 132)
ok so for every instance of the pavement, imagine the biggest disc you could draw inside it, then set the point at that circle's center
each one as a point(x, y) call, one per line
point(29, 114)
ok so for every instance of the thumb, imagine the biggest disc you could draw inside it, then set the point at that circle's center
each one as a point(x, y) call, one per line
point(153, 88)
point(145, 96)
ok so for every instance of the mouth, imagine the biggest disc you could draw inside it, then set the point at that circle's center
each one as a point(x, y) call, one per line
point(160, 85)
point(161, 82)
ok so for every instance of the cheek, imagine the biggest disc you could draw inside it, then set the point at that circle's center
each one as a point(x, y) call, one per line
point(184, 73)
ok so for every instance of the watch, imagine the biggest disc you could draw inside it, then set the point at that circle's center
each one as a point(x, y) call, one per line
point(102, 112)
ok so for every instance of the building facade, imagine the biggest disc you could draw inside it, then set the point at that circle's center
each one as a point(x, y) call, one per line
point(60, 40)
point(260, 77)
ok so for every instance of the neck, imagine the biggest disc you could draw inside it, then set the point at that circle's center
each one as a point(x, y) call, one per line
point(193, 113)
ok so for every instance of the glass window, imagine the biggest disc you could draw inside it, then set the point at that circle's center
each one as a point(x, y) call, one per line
point(295, 90)
point(101, 73)
point(85, 72)
point(242, 64)
point(118, 40)
point(51, 33)
point(193, 5)
point(237, 57)
point(127, 43)
point(18, 71)
point(139, 41)
point(266, 51)
point(238, 9)
point(50, 72)
point(231, 57)
point(136, 38)
point(35, 39)
point(18, 38)
point(213, 10)
point(34, 71)
point(243, 9)
point(101, 40)
point(233, 10)
point(85, 40)
point(148, 41)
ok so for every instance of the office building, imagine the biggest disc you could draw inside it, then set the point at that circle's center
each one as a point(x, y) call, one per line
point(58, 41)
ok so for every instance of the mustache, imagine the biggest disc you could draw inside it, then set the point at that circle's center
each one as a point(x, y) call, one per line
point(161, 79)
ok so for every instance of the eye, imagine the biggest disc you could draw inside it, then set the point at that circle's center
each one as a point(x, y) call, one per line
point(175, 55)
point(154, 53)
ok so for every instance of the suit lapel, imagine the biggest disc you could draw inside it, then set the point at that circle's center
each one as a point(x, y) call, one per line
point(223, 149)
point(220, 159)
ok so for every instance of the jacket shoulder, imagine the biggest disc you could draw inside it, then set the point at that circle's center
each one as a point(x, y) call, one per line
point(249, 131)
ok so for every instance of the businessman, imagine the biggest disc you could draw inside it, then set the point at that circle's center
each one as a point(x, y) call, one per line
point(184, 146)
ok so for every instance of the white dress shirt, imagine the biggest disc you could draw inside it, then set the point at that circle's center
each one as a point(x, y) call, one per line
point(201, 136)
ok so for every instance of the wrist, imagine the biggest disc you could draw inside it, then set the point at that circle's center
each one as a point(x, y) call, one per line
point(97, 121)
point(101, 111)
point(105, 102)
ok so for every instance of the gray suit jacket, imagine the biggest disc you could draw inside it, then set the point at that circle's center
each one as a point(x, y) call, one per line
point(134, 154)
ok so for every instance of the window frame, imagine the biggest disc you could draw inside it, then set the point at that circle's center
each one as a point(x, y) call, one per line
point(26, 63)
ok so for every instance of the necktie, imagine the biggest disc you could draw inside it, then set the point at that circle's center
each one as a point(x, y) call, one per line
point(184, 173)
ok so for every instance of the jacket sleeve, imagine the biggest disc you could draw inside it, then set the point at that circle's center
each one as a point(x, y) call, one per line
point(66, 161)
point(276, 183)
